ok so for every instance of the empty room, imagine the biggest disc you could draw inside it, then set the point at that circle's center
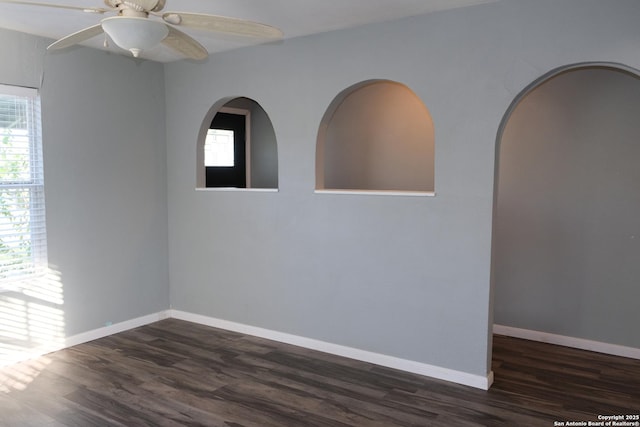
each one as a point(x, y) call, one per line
point(336, 213)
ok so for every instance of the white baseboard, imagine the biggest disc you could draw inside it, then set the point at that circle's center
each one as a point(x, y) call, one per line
point(477, 381)
point(115, 328)
point(580, 343)
point(459, 377)
point(59, 344)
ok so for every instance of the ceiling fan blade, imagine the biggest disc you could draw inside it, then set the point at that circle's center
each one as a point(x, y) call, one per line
point(58, 6)
point(184, 44)
point(77, 37)
point(222, 24)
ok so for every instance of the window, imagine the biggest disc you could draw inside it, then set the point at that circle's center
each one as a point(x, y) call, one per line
point(218, 148)
point(22, 213)
point(225, 149)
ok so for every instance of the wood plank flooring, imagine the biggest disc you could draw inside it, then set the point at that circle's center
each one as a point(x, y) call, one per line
point(176, 373)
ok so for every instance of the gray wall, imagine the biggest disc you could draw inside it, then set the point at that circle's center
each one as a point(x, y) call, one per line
point(408, 277)
point(105, 177)
point(567, 234)
point(264, 150)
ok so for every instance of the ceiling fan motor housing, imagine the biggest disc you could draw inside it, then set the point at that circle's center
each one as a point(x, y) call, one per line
point(137, 5)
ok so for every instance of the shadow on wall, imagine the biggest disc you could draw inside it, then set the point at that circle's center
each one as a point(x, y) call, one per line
point(567, 215)
point(376, 135)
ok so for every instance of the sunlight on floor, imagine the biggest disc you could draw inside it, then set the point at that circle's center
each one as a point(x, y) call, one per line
point(18, 376)
point(31, 324)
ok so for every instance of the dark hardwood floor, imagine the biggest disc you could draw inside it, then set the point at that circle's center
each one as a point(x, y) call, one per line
point(175, 373)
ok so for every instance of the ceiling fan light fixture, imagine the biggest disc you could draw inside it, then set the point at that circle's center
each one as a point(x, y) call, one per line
point(134, 34)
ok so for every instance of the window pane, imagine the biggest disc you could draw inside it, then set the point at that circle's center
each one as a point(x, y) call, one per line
point(13, 112)
point(14, 139)
point(218, 148)
point(14, 155)
point(15, 230)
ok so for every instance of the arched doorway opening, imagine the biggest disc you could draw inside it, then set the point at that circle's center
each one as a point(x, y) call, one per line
point(566, 235)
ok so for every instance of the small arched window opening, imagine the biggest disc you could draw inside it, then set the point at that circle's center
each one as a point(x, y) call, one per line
point(376, 136)
point(237, 147)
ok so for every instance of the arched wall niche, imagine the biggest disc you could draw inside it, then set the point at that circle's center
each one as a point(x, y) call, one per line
point(376, 135)
point(262, 150)
point(567, 210)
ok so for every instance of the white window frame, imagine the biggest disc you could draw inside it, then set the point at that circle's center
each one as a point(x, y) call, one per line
point(35, 263)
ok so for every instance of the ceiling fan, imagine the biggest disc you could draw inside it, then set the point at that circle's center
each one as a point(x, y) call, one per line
point(134, 29)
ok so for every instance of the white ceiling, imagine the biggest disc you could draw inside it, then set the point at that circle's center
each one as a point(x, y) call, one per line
point(294, 17)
